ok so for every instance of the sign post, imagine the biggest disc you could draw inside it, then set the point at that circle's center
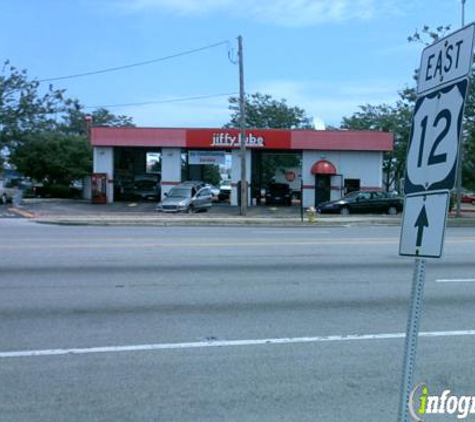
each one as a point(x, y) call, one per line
point(431, 167)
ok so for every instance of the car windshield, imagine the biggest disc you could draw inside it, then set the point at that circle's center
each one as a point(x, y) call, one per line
point(352, 195)
point(179, 193)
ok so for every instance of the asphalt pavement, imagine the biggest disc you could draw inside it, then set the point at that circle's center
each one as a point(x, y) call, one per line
point(223, 323)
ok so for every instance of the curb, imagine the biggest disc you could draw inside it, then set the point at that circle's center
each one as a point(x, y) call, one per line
point(22, 213)
point(228, 221)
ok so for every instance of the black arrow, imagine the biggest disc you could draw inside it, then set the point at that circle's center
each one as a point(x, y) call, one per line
point(421, 222)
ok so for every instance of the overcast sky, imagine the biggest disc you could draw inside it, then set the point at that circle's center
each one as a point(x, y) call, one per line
point(326, 56)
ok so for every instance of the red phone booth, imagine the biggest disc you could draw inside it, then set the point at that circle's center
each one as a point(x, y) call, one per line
point(99, 188)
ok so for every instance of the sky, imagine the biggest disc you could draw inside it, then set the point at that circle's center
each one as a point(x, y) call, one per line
point(325, 56)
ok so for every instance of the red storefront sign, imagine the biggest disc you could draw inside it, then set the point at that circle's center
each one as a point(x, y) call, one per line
point(230, 138)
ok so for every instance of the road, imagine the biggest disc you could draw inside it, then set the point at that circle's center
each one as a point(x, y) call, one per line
point(223, 323)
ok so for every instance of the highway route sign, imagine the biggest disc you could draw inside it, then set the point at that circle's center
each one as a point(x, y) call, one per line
point(447, 60)
point(434, 143)
point(423, 227)
point(431, 165)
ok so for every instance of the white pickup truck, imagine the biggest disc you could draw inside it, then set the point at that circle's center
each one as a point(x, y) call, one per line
point(6, 194)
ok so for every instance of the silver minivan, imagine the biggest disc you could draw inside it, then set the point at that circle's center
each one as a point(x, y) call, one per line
point(186, 197)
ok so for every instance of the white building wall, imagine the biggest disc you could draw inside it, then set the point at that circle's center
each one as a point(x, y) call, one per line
point(171, 168)
point(236, 174)
point(103, 159)
point(309, 158)
point(363, 165)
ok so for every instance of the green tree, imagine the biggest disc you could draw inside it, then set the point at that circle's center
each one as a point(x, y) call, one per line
point(44, 133)
point(263, 111)
point(211, 175)
point(54, 158)
point(24, 108)
point(74, 118)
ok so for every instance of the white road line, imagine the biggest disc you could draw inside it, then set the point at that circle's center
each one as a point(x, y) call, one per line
point(226, 343)
point(456, 280)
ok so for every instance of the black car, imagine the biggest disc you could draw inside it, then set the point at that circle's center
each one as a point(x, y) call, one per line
point(364, 202)
point(278, 194)
point(146, 187)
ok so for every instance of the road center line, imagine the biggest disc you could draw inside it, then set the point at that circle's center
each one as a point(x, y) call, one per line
point(456, 280)
point(226, 343)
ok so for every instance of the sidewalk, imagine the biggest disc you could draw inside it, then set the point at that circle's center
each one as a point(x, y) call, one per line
point(76, 212)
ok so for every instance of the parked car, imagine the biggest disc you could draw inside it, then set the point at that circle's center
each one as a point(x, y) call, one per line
point(225, 192)
point(146, 187)
point(468, 197)
point(6, 193)
point(364, 202)
point(196, 183)
point(186, 197)
point(278, 194)
point(214, 191)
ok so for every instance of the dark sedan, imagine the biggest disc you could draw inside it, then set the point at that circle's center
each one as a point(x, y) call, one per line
point(278, 194)
point(364, 202)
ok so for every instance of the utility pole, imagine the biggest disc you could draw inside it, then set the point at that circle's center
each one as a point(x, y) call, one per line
point(463, 13)
point(242, 126)
point(460, 164)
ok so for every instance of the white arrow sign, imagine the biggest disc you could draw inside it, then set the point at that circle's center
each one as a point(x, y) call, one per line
point(433, 146)
point(423, 226)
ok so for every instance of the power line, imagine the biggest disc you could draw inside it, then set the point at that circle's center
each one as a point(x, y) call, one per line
point(128, 66)
point(175, 100)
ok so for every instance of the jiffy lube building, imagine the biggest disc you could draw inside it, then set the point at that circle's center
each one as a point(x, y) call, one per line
point(318, 165)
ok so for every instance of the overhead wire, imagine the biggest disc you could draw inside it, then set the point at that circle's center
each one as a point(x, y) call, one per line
point(174, 100)
point(132, 65)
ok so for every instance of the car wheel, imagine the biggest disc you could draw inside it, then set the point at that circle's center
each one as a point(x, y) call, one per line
point(4, 199)
point(345, 211)
point(392, 211)
point(191, 209)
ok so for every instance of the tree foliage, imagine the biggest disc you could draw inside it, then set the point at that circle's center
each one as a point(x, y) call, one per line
point(43, 131)
point(54, 158)
point(23, 108)
point(75, 115)
point(263, 111)
point(211, 175)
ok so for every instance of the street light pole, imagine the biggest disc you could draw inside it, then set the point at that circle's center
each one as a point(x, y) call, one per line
point(459, 168)
point(242, 125)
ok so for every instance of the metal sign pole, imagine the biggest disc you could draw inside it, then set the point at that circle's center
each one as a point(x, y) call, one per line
point(412, 333)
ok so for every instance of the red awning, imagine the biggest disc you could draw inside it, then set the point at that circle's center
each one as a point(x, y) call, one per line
point(323, 167)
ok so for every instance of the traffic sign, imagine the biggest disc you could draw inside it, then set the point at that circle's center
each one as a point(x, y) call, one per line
point(430, 170)
point(434, 142)
point(423, 227)
point(447, 60)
